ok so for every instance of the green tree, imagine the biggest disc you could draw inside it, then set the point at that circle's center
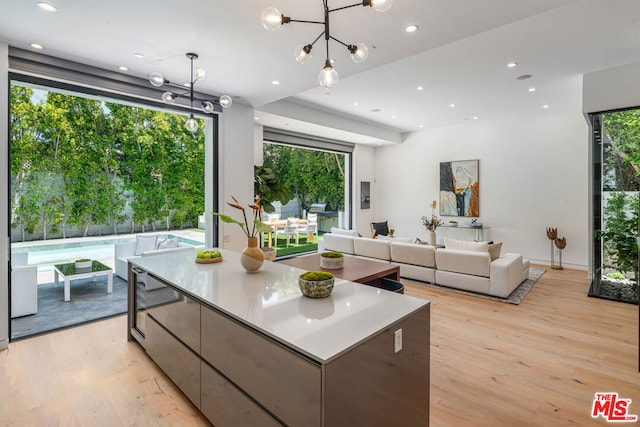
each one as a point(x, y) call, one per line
point(620, 231)
point(622, 153)
point(313, 176)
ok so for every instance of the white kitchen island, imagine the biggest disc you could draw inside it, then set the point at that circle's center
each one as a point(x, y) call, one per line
point(250, 349)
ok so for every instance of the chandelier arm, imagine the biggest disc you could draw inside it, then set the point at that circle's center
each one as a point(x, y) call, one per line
point(306, 22)
point(347, 7)
point(317, 38)
point(339, 41)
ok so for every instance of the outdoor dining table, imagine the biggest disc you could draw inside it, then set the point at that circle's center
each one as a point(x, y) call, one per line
point(279, 223)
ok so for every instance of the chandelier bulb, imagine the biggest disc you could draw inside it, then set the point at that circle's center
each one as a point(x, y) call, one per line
point(191, 124)
point(271, 18)
point(225, 101)
point(359, 52)
point(200, 74)
point(168, 97)
point(381, 5)
point(208, 107)
point(303, 53)
point(328, 76)
point(156, 79)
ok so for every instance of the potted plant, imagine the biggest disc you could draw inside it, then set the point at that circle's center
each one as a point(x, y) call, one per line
point(332, 260)
point(432, 223)
point(252, 256)
point(316, 284)
point(83, 263)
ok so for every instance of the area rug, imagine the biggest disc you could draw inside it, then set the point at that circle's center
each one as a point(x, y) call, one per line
point(89, 302)
point(516, 297)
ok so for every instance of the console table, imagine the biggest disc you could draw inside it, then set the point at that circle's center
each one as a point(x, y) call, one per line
point(249, 349)
point(465, 232)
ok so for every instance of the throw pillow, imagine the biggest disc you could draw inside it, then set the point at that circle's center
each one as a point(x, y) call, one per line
point(494, 250)
point(465, 245)
point(145, 243)
point(343, 232)
point(380, 228)
point(168, 244)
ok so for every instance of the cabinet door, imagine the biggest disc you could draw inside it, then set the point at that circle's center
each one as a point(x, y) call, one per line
point(224, 405)
point(175, 359)
point(180, 315)
point(286, 384)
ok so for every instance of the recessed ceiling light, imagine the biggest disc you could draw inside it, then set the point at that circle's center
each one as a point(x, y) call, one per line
point(355, 104)
point(256, 118)
point(421, 126)
point(393, 116)
point(36, 46)
point(452, 105)
point(138, 55)
point(123, 68)
point(545, 106)
point(275, 82)
point(524, 77)
point(47, 6)
point(411, 28)
point(475, 117)
point(420, 88)
point(512, 64)
point(532, 89)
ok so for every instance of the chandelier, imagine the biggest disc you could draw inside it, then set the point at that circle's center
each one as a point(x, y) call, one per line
point(272, 19)
point(207, 106)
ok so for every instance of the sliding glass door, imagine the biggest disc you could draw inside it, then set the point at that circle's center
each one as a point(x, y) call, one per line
point(616, 181)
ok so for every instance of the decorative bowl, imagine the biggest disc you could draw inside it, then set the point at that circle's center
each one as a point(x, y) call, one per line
point(316, 288)
point(84, 263)
point(332, 260)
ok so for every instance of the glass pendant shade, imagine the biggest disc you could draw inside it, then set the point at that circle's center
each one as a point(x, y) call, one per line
point(303, 53)
point(361, 53)
point(168, 97)
point(328, 76)
point(271, 18)
point(200, 74)
point(191, 124)
point(225, 101)
point(208, 107)
point(156, 79)
point(381, 5)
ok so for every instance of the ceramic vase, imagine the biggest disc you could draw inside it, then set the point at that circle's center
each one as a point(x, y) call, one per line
point(432, 238)
point(252, 256)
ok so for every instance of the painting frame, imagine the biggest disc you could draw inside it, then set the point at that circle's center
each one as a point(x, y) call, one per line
point(460, 188)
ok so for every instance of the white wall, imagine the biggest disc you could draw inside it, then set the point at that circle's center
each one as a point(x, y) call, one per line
point(611, 89)
point(4, 196)
point(236, 170)
point(533, 175)
point(364, 170)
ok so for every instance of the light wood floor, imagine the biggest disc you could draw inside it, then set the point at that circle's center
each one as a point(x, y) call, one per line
point(492, 364)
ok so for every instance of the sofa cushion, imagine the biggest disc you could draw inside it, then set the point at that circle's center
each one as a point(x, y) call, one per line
point(395, 239)
point(465, 245)
point(494, 250)
point(337, 242)
point(145, 243)
point(343, 232)
point(371, 248)
point(462, 261)
point(411, 253)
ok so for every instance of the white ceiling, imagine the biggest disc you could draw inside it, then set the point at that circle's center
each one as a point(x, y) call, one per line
point(458, 55)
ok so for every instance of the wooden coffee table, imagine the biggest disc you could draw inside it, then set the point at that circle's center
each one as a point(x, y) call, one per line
point(355, 269)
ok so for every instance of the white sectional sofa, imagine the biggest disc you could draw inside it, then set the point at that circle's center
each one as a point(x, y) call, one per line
point(145, 245)
point(471, 268)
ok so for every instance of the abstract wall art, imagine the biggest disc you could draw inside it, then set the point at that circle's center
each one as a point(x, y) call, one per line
point(459, 188)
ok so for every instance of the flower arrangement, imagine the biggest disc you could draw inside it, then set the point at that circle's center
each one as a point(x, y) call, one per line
point(257, 227)
point(433, 222)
